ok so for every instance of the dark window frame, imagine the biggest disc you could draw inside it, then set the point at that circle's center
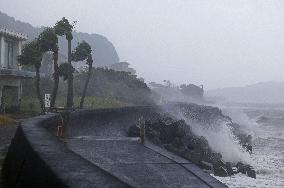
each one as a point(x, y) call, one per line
point(9, 53)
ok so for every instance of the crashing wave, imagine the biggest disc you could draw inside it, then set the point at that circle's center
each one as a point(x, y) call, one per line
point(203, 135)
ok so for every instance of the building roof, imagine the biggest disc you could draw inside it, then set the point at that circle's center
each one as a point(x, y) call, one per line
point(13, 34)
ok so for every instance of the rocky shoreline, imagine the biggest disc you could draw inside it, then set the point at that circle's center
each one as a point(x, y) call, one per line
point(176, 135)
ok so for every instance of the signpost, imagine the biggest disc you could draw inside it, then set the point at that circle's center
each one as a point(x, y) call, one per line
point(47, 100)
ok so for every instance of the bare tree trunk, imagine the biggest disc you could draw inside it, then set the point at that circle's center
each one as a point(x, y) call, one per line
point(39, 95)
point(86, 86)
point(56, 79)
point(70, 79)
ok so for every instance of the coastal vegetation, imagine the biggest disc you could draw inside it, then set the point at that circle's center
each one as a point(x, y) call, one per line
point(122, 87)
point(31, 107)
point(31, 56)
point(184, 92)
point(83, 52)
point(48, 41)
point(85, 83)
point(64, 28)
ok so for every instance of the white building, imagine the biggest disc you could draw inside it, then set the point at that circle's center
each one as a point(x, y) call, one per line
point(10, 71)
point(123, 66)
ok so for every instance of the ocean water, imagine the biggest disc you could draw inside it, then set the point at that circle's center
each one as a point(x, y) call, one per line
point(266, 124)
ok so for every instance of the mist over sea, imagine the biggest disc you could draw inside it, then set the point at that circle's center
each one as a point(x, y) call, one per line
point(265, 122)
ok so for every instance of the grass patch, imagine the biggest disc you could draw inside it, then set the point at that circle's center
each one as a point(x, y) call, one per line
point(31, 105)
point(93, 102)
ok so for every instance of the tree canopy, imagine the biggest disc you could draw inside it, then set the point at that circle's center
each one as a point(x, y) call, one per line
point(31, 54)
point(63, 27)
point(48, 40)
point(81, 52)
point(64, 69)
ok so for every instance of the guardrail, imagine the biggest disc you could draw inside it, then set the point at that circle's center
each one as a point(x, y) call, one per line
point(16, 73)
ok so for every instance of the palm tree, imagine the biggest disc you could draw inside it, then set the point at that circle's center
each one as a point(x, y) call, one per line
point(63, 27)
point(64, 70)
point(32, 56)
point(84, 52)
point(48, 41)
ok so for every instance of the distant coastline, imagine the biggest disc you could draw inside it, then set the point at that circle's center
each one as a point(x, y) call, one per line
point(268, 93)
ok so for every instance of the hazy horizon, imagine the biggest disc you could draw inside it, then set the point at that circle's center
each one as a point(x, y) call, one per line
point(215, 43)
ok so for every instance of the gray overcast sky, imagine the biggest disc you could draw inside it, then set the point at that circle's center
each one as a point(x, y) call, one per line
point(217, 43)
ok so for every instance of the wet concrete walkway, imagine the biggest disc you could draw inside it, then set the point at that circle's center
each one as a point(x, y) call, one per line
point(140, 165)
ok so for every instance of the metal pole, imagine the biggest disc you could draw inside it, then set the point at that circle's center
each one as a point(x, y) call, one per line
point(142, 130)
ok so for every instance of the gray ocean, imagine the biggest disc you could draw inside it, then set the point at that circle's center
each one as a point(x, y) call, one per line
point(266, 124)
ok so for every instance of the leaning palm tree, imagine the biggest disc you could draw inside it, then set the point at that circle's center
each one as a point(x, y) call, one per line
point(64, 70)
point(48, 41)
point(64, 28)
point(81, 53)
point(32, 56)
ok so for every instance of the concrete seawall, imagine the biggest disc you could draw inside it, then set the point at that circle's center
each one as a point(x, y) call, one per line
point(36, 158)
point(97, 154)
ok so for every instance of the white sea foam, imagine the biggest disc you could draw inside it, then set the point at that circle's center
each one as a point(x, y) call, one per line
point(268, 173)
point(243, 181)
point(268, 150)
point(268, 145)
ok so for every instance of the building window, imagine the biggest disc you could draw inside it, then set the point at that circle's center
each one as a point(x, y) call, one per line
point(9, 53)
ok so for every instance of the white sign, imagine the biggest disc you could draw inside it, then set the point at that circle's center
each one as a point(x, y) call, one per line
point(47, 100)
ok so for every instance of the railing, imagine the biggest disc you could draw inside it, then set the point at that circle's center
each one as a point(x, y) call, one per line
point(16, 73)
point(13, 34)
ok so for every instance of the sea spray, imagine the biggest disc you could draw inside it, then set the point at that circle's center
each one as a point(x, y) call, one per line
point(222, 140)
point(210, 123)
point(247, 125)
